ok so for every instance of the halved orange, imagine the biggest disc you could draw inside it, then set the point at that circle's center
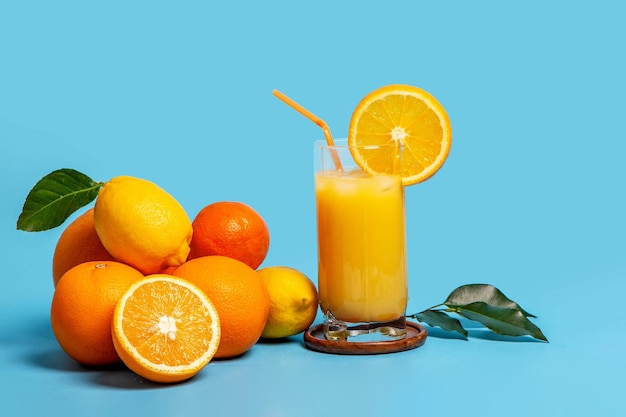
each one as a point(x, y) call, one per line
point(165, 328)
point(409, 117)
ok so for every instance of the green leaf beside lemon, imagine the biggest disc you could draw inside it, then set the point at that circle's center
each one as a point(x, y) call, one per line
point(54, 198)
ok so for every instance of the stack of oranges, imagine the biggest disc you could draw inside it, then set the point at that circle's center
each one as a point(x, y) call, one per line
point(136, 280)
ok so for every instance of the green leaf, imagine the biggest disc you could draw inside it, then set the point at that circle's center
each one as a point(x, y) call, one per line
point(54, 198)
point(436, 318)
point(486, 293)
point(500, 320)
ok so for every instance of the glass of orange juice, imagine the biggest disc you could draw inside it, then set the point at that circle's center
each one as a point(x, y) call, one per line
point(362, 266)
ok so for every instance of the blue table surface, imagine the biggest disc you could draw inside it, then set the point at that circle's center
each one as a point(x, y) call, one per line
point(531, 198)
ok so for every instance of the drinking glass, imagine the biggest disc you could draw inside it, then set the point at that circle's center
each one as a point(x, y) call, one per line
point(362, 266)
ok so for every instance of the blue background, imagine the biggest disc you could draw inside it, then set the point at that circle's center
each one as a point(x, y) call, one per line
point(530, 199)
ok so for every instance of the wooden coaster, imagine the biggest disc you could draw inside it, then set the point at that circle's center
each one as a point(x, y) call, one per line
point(314, 339)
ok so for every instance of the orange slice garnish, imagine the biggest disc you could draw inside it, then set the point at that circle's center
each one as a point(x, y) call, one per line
point(165, 329)
point(408, 116)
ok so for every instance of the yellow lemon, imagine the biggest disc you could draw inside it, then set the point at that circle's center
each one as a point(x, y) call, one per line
point(293, 301)
point(142, 225)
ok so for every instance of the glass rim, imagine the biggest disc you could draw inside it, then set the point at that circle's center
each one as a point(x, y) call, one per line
point(342, 143)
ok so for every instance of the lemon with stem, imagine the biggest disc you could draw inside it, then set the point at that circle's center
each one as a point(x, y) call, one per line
point(142, 225)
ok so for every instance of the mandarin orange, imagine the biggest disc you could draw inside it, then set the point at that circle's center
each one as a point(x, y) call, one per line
point(230, 229)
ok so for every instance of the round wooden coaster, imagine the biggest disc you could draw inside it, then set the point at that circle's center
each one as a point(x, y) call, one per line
point(314, 339)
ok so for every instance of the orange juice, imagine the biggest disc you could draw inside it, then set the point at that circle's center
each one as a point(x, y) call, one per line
point(362, 274)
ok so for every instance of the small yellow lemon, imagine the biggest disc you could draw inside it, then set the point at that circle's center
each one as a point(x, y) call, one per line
point(293, 301)
point(142, 225)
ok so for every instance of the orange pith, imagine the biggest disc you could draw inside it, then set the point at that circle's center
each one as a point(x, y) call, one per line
point(407, 116)
point(165, 328)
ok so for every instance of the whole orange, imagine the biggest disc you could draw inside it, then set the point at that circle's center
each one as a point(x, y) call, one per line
point(230, 229)
point(239, 295)
point(78, 243)
point(82, 309)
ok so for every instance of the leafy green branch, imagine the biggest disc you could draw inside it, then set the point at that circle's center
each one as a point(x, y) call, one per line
point(485, 304)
